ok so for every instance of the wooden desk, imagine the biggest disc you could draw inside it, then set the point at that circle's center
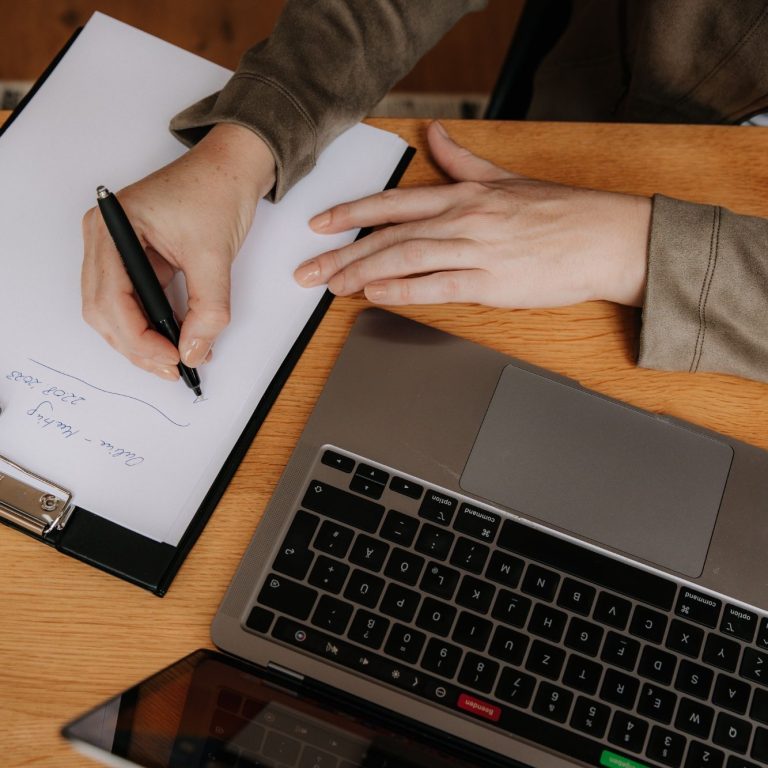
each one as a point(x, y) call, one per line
point(71, 636)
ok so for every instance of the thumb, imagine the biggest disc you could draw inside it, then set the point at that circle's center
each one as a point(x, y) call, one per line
point(458, 162)
point(208, 288)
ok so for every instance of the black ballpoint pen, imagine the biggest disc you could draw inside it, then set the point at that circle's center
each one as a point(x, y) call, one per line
point(143, 277)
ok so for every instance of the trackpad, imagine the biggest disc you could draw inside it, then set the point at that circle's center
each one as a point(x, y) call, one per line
point(600, 470)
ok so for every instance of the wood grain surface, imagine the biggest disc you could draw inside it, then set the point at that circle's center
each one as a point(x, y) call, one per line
point(71, 636)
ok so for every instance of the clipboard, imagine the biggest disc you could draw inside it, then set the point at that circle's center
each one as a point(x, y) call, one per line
point(47, 511)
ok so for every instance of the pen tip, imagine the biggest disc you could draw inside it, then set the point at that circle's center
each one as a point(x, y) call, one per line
point(198, 391)
point(102, 192)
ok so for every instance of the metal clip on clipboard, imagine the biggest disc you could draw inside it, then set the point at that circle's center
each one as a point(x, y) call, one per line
point(31, 502)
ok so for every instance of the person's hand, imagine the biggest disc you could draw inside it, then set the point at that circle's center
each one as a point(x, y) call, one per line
point(192, 215)
point(493, 238)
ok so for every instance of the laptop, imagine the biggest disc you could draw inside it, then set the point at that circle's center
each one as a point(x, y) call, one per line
point(472, 561)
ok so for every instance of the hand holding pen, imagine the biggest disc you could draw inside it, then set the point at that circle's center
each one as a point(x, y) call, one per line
point(192, 217)
point(143, 278)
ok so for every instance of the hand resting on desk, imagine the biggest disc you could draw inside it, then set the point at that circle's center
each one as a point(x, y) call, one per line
point(493, 238)
point(192, 215)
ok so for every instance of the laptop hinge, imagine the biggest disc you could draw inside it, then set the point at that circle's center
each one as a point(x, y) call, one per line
point(283, 671)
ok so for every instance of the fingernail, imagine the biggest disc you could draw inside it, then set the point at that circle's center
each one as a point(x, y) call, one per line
point(321, 221)
point(170, 374)
point(307, 273)
point(375, 291)
point(195, 352)
point(441, 129)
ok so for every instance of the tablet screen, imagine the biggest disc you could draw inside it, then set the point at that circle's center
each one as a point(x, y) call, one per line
point(210, 710)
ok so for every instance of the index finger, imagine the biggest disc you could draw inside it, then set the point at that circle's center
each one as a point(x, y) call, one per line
point(110, 306)
point(392, 206)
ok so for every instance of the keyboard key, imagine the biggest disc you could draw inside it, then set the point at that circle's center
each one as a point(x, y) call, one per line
point(472, 631)
point(287, 597)
point(369, 553)
point(656, 702)
point(399, 528)
point(731, 693)
point(760, 745)
point(342, 506)
point(547, 622)
point(628, 732)
point(436, 617)
point(657, 665)
point(406, 487)
point(695, 718)
point(515, 687)
point(469, 555)
point(762, 634)
point(583, 636)
point(698, 607)
point(438, 507)
point(612, 610)
point(582, 674)
point(440, 580)
point(734, 761)
point(508, 646)
point(721, 652)
point(590, 717)
point(553, 702)
point(281, 748)
point(337, 461)
point(332, 615)
point(404, 643)
point(433, 541)
point(328, 574)
point(648, 624)
point(586, 564)
point(684, 638)
point(732, 733)
point(540, 582)
point(619, 688)
point(703, 756)
point(477, 522)
point(545, 660)
point(368, 629)
point(334, 539)
point(620, 651)
point(366, 487)
point(441, 657)
point(295, 556)
point(404, 566)
point(754, 666)
point(759, 709)
point(399, 602)
point(739, 622)
point(475, 594)
point(576, 597)
point(694, 679)
point(511, 608)
point(364, 588)
point(478, 673)
point(505, 569)
point(373, 473)
point(665, 746)
point(259, 619)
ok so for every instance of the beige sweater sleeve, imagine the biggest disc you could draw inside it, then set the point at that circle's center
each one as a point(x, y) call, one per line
point(706, 305)
point(326, 63)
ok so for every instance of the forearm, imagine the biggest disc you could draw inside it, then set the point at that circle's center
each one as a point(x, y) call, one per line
point(322, 69)
point(706, 303)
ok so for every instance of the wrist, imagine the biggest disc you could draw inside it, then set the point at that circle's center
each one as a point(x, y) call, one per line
point(242, 154)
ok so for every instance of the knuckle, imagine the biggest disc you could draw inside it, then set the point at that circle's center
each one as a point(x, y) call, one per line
point(450, 288)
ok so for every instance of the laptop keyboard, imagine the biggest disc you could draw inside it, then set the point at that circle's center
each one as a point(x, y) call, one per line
point(546, 640)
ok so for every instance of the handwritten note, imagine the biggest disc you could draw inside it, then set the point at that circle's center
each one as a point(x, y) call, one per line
point(133, 448)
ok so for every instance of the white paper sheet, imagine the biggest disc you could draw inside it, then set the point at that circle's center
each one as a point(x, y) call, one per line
point(133, 448)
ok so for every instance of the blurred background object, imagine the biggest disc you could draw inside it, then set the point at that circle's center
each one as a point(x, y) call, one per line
point(453, 80)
